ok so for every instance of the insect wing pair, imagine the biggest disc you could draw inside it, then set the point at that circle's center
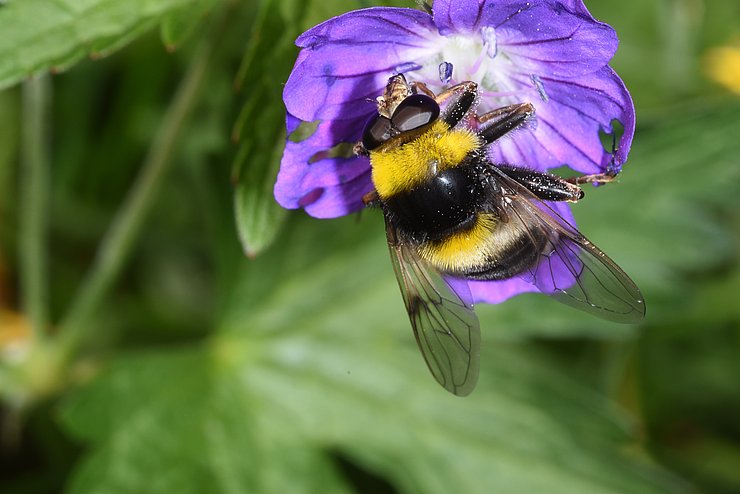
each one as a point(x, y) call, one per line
point(570, 269)
point(554, 256)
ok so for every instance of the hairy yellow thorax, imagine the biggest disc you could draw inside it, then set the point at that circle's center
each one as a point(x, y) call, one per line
point(400, 168)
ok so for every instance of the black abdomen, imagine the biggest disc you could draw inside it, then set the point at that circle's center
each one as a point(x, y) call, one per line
point(461, 224)
point(446, 203)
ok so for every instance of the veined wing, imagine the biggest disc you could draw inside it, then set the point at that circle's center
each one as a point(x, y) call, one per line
point(571, 268)
point(442, 317)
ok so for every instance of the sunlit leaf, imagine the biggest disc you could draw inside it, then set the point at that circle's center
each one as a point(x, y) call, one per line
point(306, 364)
point(258, 216)
point(260, 127)
point(262, 372)
point(41, 34)
point(182, 23)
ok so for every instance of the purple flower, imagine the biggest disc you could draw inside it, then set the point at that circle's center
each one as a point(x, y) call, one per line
point(553, 54)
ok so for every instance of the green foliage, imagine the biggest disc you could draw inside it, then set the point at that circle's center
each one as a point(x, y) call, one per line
point(9, 114)
point(44, 34)
point(197, 369)
point(285, 374)
point(258, 216)
point(178, 26)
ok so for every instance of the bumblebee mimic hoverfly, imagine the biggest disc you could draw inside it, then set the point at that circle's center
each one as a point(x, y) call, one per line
point(452, 215)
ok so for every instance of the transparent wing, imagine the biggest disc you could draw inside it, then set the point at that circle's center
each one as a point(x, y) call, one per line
point(442, 317)
point(572, 269)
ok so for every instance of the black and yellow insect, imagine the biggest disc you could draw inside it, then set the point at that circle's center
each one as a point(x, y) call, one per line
point(451, 213)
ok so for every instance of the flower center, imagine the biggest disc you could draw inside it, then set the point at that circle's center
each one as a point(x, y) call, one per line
point(476, 57)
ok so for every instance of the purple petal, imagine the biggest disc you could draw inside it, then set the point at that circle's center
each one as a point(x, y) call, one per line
point(324, 186)
point(568, 125)
point(557, 53)
point(347, 60)
point(575, 6)
point(375, 24)
point(291, 123)
point(549, 40)
point(458, 16)
point(324, 88)
point(345, 198)
point(494, 292)
point(544, 37)
point(461, 287)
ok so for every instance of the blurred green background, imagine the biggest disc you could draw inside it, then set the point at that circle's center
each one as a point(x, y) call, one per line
point(165, 327)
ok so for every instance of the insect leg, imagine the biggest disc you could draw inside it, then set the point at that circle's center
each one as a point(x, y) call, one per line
point(543, 185)
point(419, 87)
point(371, 199)
point(424, 6)
point(454, 91)
point(359, 150)
point(461, 99)
point(497, 123)
point(602, 178)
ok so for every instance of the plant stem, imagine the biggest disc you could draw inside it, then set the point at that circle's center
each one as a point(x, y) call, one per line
point(121, 235)
point(34, 195)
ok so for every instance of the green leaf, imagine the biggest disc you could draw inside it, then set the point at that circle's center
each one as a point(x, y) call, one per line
point(305, 363)
point(191, 435)
point(261, 123)
point(9, 134)
point(258, 217)
point(178, 26)
point(42, 34)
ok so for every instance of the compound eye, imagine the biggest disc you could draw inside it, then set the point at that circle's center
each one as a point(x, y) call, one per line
point(377, 131)
point(415, 111)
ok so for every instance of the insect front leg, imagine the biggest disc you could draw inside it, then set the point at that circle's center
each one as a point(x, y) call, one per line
point(461, 98)
point(420, 87)
point(497, 123)
point(600, 178)
point(543, 185)
point(371, 199)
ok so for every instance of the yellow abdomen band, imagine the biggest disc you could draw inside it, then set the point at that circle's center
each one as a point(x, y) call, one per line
point(462, 249)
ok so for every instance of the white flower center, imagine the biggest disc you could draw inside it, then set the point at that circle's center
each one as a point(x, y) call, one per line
point(478, 58)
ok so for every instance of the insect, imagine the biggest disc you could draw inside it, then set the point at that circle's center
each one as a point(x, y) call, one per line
point(452, 215)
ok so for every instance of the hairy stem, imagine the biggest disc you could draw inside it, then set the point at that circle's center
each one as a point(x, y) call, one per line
point(117, 243)
point(34, 204)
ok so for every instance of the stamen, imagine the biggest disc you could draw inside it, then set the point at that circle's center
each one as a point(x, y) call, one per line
point(488, 33)
point(445, 72)
point(476, 65)
point(540, 87)
point(406, 67)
